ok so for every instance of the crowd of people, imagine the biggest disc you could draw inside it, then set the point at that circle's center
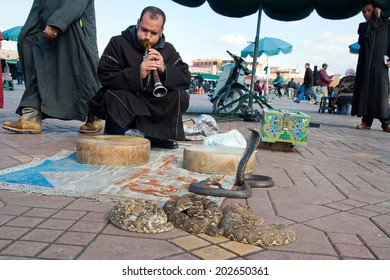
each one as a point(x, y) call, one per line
point(367, 90)
point(309, 89)
point(198, 82)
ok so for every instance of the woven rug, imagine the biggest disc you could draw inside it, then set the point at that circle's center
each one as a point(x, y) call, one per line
point(159, 180)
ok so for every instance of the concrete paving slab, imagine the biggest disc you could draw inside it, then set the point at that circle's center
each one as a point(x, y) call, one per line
point(214, 253)
point(107, 247)
point(76, 238)
point(61, 252)
point(56, 224)
point(42, 235)
point(309, 241)
point(14, 233)
point(25, 248)
point(346, 223)
point(40, 212)
point(302, 212)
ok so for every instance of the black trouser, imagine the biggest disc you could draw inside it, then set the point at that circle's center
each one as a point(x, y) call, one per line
point(279, 92)
point(113, 128)
point(368, 121)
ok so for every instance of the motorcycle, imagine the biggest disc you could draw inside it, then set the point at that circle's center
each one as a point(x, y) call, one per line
point(227, 96)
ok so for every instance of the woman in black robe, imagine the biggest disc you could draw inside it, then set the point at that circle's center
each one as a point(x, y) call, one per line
point(371, 89)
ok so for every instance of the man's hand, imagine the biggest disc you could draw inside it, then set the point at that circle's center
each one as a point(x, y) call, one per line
point(377, 12)
point(50, 32)
point(154, 62)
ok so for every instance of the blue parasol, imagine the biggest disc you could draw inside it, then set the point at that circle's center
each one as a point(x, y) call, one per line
point(12, 34)
point(269, 46)
point(354, 48)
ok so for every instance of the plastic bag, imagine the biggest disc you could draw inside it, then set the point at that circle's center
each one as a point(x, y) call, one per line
point(199, 128)
point(233, 138)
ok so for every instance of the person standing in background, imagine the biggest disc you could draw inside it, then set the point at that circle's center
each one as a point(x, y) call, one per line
point(291, 88)
point(257, 88)
point(264, 88)
point(308, 83)
point(58, 52)
point(19, 72)
point(371, 89)
point(315, 77)
point(323, 81)
point(8, 83)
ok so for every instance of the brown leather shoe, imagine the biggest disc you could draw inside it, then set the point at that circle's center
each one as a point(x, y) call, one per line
point(386, 128)
point(91, 126)
point(363, 126)
point(23, 125)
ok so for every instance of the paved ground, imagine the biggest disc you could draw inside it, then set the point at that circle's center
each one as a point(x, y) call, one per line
point(334, 193)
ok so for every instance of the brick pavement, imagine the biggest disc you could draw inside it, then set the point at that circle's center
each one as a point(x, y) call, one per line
point(334, 193)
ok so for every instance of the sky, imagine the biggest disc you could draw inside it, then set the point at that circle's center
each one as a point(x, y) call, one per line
point(200, 33)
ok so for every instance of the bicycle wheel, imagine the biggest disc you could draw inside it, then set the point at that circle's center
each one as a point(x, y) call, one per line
point(220, 104)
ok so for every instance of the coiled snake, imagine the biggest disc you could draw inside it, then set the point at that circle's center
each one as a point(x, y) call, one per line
point(240, 223)
point(243, 184)
point(237, 222)
point(194, 214)
point(138, 215)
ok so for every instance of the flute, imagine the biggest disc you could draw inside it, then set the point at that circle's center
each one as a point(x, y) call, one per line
point(159, 90)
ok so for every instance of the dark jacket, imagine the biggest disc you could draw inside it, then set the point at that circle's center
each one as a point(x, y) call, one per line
point(292, 84)
point(315, 75)
point(129, 99)
point(371, 89)
point(308, 78)
point(278, 82)
point(323, 79)
point(257, 87)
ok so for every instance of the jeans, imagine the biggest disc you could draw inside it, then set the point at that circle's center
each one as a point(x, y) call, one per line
point(302, 92)
point(279, 92)
point(20, 78)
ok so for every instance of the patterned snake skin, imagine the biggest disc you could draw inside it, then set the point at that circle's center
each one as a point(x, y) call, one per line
point(138, 215)
point(239, 223)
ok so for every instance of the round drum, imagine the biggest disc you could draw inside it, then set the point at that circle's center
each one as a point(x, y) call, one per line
point(113, 150)
point(215, 159)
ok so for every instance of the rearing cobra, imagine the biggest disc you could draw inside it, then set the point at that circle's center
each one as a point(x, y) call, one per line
point(243, 184)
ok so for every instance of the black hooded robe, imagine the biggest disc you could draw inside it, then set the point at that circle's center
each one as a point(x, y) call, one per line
point(129, 100)
point(61, 74)
point(371, 89)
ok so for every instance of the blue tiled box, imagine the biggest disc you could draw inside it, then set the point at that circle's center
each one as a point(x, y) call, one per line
point(285, 126)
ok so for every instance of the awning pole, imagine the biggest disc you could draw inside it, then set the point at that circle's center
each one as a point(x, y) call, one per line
point(254, 65)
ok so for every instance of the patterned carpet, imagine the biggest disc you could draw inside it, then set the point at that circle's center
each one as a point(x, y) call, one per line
point(161, 179)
